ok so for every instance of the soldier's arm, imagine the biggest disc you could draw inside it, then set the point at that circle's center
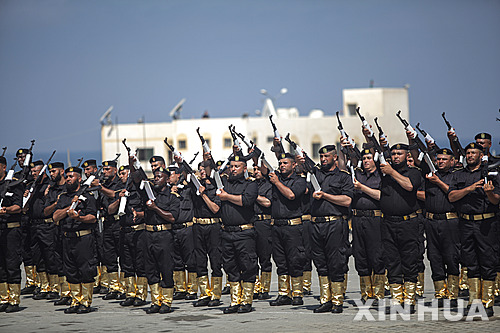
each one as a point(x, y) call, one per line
point(456, 195)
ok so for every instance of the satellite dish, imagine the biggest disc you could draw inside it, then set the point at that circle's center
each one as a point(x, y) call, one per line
point(106, 116)
point(283, 91)
point(174, 113)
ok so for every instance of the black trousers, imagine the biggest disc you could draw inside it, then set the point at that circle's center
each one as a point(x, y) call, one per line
point(401, 249)
point(264, 242)
point(367, 245)
point(208, 243)
point(443, 247)
point(79, 261)
point(98, 242)
point(288, 249)
point(307, 244)
point(10, 255)
point(44, 248)
point(240, 255)
point(132, 246)
point(480, 247)
point(421, 242)
point(159, 263)
point(184, 256)
point(27, 243)
point(111, 245)
point(328, 244)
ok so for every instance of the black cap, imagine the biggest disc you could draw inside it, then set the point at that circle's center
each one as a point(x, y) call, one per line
point(173, 168)
point(88, 163)
point(486, 136)
point(327, 149)
point(219, 163)
point(109, 164)
point(53, 165)
point(366, 152)
point(287, 155)
point(73, 169)
point(474, 145)
point(156, 159)
point(124, 167)
point(22, 151)
point(237, 158)
point(163, 170)
point(36, 163)
point(445, 151)
point(399, 146)
point(3, 160)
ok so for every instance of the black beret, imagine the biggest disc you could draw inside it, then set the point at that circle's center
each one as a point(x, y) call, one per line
point(237, 158)
point(444, 151)
point(124, 167)
point(36, 163)
point(474, 145)
point(287, 155)
point(173, 168)
point(53, 165)
point(366, 152)
point(89, 163)
point(219, 163)
point(163, 170)
point(399, 146)
point(156, 159)
point(22, 151)
point(3, 160)
point(486, 136)
point(109, 164)
point(74, 169)
point(327, 149)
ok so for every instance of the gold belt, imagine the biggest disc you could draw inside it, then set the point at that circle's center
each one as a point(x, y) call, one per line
point(404, 217)
point(420, 211)
point(138, 227)
point(79, 233)
point(11, 225)
point(376, 212)
point(206, 220)
point(327, 218)
point(241, 227)
point(116, 217)
point(306, 217)
point(295, 221)
point(261, 217)
point(48, 220)
point(477, 217)
point(158, 227)
point(449, 215)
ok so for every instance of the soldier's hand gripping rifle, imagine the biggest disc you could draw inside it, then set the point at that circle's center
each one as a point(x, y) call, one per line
point(26, 164)
point(455, 143)
point(429, 139)
point(309, 164)
point(380, 154)
point(137, 164)
point(351, 153)
point(206, 148)
point(278, 137)
point(381, 135)
point(424, 154)
point(8, 183)
point(185, 165)
point(37, 181)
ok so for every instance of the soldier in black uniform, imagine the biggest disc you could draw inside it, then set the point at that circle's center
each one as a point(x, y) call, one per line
point(329, 210)
point(207, 235)
point(264, 235)
point(441, 228)
point(160, 213)
point(132, 240)
point(477, 203)
point(110, 188)
point(10, 241)
point(76, 211)
point(238, 198)
point(184, 256)
point(156, 162)
point(288, 243)
point(52, 193)
point(400, 225)
point(367, 245)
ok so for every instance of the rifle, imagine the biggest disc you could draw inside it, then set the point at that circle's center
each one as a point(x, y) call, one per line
point(276, 136)
point(381, 134)
point(186, 166)
point(250, 145)
point(206, 148)
point(423, 148)
point(79, 161)
point(4, 150)
point(428, 138)
point(37, 181)
point(26, 165)
point(380, 154)
point(457, 143)
point(236, 141)
point(137, 164)
point(8, 182)
point(308, 165)
point(357, 153)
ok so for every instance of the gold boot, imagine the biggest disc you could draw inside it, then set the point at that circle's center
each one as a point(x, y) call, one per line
point(141, 288)
point(307, 281)
point(87, 291)
point(464, 281)
point(114, 281)
point(297, 286)
point(440, 290)
point(65, 288)
point(204, 286)
point(54, 283)
point(4, 293)
point(365, 287)
point(265, 278)
point(44, 282)
point(453, 286)
point(130, 286)
point(337, 290)
point(76, 293)
point(247, 292)
point(30, 275)
point(121, 282)
point(410, 293)
point(14, 293)
point(378, 286)
point(258, 285)
point(192, 284)
point(236, 292)
point(167, 296)
point(325, 292)
point(155, 294)
point(497, 285)
point(474, 290)
point(105, 277)
point(180, 281)
point(284, 285)
point(216, 287)
point(97, 278)
point(420, 284)
point(397, 294)
point(487, 291)
point(344, 287)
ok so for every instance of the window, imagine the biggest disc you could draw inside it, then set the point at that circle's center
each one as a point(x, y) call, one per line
point(182, 144)
point(270, 139)
point(315, 149)
point(144, 154)
point(228, 142)
point(352, 109)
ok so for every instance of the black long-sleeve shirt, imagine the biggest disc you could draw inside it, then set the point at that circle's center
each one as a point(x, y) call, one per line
point(233, 214)
point(334, 182)
point(281, 207)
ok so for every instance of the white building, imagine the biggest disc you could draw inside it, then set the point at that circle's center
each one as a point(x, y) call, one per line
point(310, 132)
